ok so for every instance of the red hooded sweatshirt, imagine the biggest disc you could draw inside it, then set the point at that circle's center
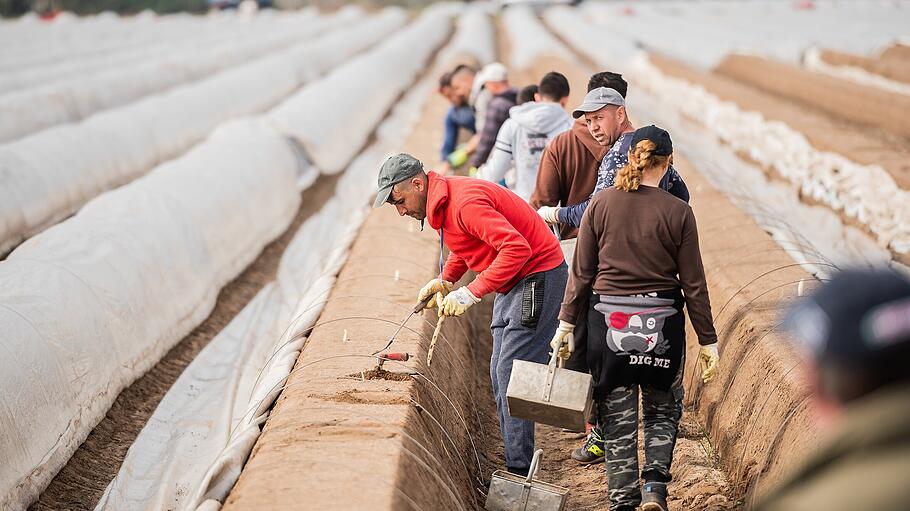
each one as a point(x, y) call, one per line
point(490, 230)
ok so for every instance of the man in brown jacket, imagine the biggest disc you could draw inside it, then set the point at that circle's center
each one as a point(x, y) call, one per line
point(568, 167)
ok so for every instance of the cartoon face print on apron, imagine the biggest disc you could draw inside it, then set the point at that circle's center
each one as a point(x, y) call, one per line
point(635, 323)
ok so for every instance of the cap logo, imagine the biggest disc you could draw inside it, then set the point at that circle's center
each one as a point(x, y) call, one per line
point(887, 324)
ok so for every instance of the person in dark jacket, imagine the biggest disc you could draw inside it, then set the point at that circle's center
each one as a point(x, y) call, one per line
point(854, 336)
point(638, 253)
point(604, 111)
point(568, 167)
point(494, 78)
point(460, 115)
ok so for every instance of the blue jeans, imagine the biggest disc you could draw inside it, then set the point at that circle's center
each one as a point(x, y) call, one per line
point(523, 335)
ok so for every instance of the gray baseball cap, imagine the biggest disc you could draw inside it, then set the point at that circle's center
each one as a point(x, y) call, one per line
point(395, 170)
point(597, 99)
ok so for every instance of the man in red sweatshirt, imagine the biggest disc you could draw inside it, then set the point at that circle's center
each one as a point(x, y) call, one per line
point(495, 233)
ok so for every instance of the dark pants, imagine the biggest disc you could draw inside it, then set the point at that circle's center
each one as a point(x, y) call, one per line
point(514, 340)
point(661, 411)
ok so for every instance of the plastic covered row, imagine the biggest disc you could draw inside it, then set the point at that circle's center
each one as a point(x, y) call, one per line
point(47, 176)
point(94, 302)
point(334, 117)
point(29, 110)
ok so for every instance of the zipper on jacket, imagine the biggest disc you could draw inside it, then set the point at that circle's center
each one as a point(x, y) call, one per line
point(532, 298)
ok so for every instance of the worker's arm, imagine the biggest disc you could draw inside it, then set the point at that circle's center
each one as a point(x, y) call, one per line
point(572, 215)
point(450, 138)
point(501, 159)
point(693, 283)
point(497, 113)
point(547, 191)
point(481, 219)
point(584, 268)
point(454, 268)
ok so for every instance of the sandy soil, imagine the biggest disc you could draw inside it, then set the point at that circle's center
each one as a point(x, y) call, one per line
point(825, 132)
point(894, 69)
point(82, 481)
point(868, 107)
point(896, 53)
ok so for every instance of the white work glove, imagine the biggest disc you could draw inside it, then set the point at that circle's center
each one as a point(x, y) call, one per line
point(549, 214)
point(708, 357)
point(437, 287)
point(562, 340)
point(457, 302)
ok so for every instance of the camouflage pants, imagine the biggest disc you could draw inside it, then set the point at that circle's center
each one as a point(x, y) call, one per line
point(661, 411)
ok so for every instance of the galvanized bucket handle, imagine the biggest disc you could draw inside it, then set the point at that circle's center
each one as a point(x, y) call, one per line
point(555, 362)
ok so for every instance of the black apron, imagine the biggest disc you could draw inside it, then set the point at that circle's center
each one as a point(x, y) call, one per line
point(635, 340)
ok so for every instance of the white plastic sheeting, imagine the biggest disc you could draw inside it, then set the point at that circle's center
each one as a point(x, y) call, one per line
point(866, 193)
point(333, 118)
point(160, 41)
point(47, 176)
point(702, 33)
point(31, 110)
point(92, 303)
point(182, 456)
point(599, 45)
point(529, 39)
point(475, 38)
point(813, 61)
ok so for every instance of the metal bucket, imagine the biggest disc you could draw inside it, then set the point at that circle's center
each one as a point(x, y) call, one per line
point(509, 492)
point(550, 394)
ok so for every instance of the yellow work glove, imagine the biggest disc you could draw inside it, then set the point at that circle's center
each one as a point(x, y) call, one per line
point(458, 157)
point(708, 357)
point(457, 302)
point(550, 214)
point(437, 287)
point(564, 340)
point(473, 172)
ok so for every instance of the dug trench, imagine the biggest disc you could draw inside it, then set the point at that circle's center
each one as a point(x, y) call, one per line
point(427, 437)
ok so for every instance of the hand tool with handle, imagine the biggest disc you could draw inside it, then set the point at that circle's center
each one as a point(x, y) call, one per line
point(417, 308)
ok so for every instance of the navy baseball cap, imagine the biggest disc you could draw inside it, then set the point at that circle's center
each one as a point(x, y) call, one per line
point(860, 316)
point(659, 136)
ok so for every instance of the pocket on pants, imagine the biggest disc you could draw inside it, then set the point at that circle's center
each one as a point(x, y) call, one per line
point(532, 300)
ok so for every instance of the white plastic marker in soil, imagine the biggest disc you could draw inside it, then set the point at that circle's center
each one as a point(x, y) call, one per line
point(224, 37)
point(92, 303)
point(30, 110)
point(530, 40)
point(825, 177)
point(195, 444)
point(48, 175)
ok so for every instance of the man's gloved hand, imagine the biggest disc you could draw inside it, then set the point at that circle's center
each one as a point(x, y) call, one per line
point(563, 340)
point(708, 357)
point(473, 172)
point(437, 287)
point(458, 157)
point(550, 214)
point(457, 302)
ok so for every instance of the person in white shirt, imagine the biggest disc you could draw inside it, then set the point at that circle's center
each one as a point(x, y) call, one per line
point(526, 133)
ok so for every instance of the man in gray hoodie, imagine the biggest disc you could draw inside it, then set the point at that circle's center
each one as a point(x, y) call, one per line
point(526, 132)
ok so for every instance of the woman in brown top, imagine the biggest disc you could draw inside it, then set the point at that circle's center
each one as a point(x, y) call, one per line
point(637, 252)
